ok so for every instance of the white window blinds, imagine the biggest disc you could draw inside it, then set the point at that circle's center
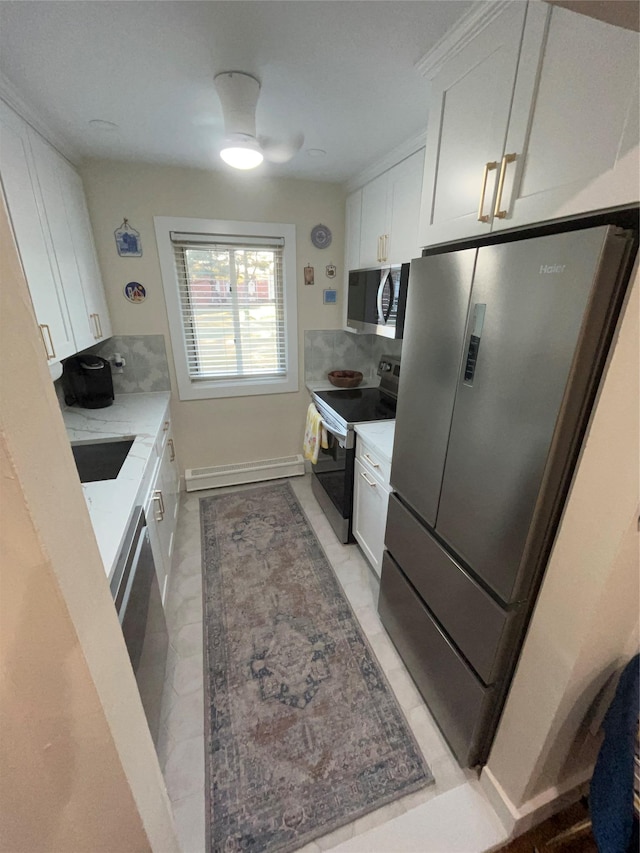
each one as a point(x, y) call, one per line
point(231, 295)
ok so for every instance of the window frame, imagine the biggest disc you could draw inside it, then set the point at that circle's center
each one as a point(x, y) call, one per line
point(203, 389)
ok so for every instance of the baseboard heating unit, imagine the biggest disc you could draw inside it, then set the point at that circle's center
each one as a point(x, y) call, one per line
point(243, 472)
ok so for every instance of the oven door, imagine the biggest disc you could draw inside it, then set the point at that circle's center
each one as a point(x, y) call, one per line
point(332, 481)
point(136, 595)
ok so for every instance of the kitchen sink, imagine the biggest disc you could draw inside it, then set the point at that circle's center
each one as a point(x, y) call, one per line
point(100, 460)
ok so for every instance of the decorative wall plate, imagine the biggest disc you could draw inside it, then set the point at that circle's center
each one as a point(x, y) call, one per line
point(321, 236)
point(135, 292)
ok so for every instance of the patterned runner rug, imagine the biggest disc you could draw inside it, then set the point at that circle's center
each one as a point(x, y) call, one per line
point(302, 731)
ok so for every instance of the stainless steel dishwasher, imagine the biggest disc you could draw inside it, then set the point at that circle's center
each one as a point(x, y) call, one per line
point(136, 594)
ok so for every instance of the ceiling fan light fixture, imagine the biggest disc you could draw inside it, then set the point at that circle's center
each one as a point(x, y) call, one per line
point(241, 153)
point(243, 148)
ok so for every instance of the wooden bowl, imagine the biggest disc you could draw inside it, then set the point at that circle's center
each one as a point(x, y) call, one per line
point(345, 378)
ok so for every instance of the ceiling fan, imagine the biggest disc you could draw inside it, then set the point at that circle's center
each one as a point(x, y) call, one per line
point(243, 149)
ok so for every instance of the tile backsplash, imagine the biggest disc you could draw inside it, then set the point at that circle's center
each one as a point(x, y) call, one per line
point(326, 350)
point(146, 368)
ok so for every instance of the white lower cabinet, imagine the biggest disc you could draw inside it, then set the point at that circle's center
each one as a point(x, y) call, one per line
point(371, 492)
point(161, 507)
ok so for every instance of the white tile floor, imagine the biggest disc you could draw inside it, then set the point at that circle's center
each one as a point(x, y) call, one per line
point(181, 740)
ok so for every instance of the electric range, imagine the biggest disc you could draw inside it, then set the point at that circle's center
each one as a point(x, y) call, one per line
point(341, 409)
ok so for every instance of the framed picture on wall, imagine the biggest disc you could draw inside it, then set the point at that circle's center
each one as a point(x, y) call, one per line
point(329, 297)
point(128, 241)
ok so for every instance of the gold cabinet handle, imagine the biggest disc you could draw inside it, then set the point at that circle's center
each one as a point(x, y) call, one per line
point(173, 450)
point(157, 496)
point(367, 480)
point(99, 325)
point(166, 426)
point(51, 355)
point(385, 247)
point(95, 326)
point(508, 158)
point(488, 167)
point(379, 250)
point(370, 460)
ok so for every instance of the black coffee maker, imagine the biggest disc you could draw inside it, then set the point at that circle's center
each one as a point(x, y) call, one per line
point(87, 382)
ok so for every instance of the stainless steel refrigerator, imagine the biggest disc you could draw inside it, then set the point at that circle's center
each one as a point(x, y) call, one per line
point(503, 350)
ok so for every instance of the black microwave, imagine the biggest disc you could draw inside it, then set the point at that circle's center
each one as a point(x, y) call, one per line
point(377, 299)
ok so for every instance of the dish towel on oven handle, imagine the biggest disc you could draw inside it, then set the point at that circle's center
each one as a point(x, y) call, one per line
point(315, 435)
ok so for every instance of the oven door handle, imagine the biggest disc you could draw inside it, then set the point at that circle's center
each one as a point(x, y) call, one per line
point(344, 438)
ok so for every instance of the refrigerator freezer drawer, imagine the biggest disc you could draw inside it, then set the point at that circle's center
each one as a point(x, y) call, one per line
point(460, 703)
point(471, 618)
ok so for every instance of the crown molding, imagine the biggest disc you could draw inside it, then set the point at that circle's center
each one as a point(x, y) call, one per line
point(456, 39)
point(392, 158)
point(14, 99)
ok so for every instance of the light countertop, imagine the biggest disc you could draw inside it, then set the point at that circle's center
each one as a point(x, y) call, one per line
point(111, 502)
point(379, 435)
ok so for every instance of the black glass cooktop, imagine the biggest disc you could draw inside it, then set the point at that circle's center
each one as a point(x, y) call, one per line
point(358, 405)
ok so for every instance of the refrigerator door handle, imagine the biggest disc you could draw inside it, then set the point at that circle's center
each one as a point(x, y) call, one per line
point(479, 310)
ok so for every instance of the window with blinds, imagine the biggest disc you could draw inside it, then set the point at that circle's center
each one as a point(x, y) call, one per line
point(231, 295)
point(230, 291)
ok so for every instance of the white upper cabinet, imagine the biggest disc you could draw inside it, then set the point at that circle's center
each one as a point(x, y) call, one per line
point(534, 118)
point(352, 220)
point(403, 202)
point(468, 115)
point(576, 142)
point(86, 258)
point(51, 224)
point(50, 169)
point(382, 217)
point(374, 223)
point(22, 193)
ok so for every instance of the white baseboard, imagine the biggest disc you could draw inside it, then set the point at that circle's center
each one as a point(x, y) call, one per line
point(519, 819)
point(245, 472)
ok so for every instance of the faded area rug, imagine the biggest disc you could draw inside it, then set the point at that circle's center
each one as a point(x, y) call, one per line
point(302, 731)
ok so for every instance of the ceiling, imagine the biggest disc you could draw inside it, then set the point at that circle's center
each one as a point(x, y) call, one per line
point(340, 71)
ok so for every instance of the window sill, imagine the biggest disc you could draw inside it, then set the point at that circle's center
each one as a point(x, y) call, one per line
point(188, 390)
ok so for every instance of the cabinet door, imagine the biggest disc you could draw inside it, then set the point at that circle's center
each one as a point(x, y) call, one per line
point(403, 198)
point(579, 135)
point(370, 503)
point(168, 484)
point(374, 221)
point(86, 257)
point(22, 193)
point(52, 170)
point(468, 116)
point(353, 214)
point(153, 515)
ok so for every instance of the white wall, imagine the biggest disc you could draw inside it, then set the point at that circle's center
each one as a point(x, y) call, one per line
point(585, 624)
point(240, 429)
